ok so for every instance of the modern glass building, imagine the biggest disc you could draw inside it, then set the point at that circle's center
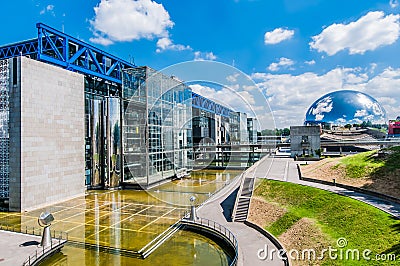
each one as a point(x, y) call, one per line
point(4, 135)
point(74, 117)
point(157, 127)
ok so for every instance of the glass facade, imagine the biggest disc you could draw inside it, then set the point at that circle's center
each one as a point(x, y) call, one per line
point(203, 126)
point(114, 134)
point(140, 133)
point(103, 148)
point(234, 130)
point(157, 130)
point(252, 130)
point(4, 135)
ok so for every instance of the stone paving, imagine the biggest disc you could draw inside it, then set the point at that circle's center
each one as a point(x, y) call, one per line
point(250, 240)
point(15, 248)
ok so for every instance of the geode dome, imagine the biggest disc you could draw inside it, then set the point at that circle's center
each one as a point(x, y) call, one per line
point(345, 107)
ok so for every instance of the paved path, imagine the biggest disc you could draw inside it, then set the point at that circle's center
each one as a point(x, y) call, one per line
point(285, 169)
point(15, 248)
point(13, 251)
point(250, 240)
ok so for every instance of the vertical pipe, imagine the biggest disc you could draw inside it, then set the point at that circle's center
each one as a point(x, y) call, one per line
point(147, 128)
point(108, 152)
point(121, 141)
point(93, 147)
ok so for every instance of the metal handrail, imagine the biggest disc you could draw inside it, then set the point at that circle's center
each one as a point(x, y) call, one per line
point(31, 230)
point(34, 256)
point(61, 237)
point(223, 231)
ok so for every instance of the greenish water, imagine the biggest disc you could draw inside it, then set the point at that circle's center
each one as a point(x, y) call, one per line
point(128, 219)
point(184, 248)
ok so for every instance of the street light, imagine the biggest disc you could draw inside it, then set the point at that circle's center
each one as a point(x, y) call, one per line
point(193, 216)
point(44, 221)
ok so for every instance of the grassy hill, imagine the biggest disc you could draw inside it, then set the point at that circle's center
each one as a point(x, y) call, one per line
point(373, 170)
point(315, 219)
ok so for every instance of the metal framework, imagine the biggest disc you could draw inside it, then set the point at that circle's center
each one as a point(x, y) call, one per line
point(55, 47)
point(203, 103)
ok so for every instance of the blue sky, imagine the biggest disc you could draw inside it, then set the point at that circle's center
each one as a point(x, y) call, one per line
point(295, 51)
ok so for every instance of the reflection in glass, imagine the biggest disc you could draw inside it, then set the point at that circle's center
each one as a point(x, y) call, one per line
point(155, 150)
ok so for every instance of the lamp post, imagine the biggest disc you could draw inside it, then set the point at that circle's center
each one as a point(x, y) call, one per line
point(44, 221)
point(193, 216)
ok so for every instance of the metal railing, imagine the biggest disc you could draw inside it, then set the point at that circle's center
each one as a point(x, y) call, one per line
point(31, 230)
point(222, 230)
point(33, 258)
point(58, 239)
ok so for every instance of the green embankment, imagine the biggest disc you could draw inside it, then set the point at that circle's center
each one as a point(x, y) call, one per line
point(363, 226)
point(367, 164)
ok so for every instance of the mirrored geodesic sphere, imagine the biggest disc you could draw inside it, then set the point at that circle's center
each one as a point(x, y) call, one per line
point(345, 107)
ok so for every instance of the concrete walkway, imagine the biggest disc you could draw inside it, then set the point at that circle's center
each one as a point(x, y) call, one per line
point(250, 240)
point(285, 169)
point(16, 248)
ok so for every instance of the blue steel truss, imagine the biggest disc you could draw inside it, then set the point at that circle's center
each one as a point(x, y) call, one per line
point(22, 48)
point(55, 47)
point(203, 103)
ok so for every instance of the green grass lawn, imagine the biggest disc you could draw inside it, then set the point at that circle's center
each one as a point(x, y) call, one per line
point(363, 226)
point(367, 163)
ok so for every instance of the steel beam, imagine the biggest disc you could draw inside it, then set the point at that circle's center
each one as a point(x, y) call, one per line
point(203, 103)
point(58, 48)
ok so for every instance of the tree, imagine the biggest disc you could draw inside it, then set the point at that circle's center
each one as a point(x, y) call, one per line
point(286, 132)
point(364, 124)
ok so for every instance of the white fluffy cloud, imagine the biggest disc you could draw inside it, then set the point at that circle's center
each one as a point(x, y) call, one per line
point(230, 97)
point(366, 34)
point(291, 95)
point(310, 63)
point(232, 78)
point(394, 3)
point(167, 44)
point(277, 35)
point(48, 8)
point(283, 62)
point(200, 56)
point(127, 20)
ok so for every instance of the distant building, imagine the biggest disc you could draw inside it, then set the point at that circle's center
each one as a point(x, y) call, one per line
point(394, 127)
point(252, 130)
point(305, 140)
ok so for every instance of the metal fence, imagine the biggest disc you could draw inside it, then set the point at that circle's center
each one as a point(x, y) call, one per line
point(222, 230)
point(58, 240)
point(33, 258)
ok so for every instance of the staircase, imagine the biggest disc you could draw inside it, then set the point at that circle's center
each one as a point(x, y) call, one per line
point(243, 200)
